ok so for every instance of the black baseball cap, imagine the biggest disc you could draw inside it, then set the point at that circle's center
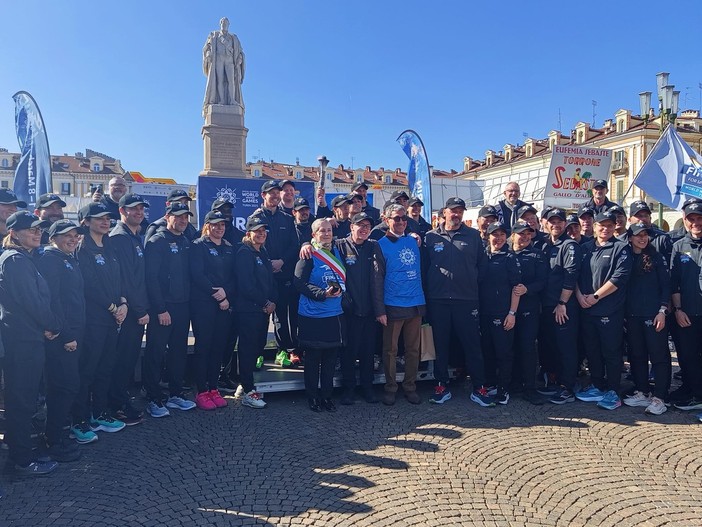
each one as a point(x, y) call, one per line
point(524, 209)
point(496, 226)
point(176, 194)
point(399, 194)
point(638, 206)
point(284, 182)
point(93, 210)
point(221, 202)
point(606, 215)
point(8, 197)
point(356, 186)
point(692, 206)
point(132, 200)
point(270, 185)
point(254, 223)
point(23, 219)
point(415, 201)
point(572, 219)
point(636, 228)
point(545, 211)
point(616, 209)
point(586, 210)
point(556, 213)
point(301, 203)
point(487, 210)
point(340, 200)
point(521, 226)
point(454, 202)
point(49, 199)
point(64, 226)
point(214, 216)
point(178, 209)
point(599, 183)
point(362, 216)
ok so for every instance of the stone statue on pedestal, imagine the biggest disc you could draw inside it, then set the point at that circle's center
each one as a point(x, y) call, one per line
point(224, 66)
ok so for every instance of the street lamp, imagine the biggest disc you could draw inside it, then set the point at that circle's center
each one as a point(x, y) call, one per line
point(323, 162)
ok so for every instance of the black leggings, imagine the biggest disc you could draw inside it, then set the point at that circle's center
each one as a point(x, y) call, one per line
point(645, 343)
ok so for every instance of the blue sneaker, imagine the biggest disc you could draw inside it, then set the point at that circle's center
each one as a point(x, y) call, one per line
point(610, 401)
point(180, 403)
point(590, 394)
point(481, 397)
point(156, 409)
point(441, 394)
point(562, 397)
point(82, 433)
point(699, 418)
point(106, 423)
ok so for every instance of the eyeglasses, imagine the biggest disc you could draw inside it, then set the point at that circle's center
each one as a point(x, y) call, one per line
point(363, 226)
point(399, 218)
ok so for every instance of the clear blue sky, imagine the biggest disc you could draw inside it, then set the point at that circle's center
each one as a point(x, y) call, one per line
point(338, 78)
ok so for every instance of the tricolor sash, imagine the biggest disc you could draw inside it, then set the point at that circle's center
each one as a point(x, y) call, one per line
point(328, 258)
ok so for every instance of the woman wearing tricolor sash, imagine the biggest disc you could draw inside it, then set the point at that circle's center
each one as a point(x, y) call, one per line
point(321, 281)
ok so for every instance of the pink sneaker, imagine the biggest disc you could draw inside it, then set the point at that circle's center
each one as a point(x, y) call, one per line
point(217, 399)
point(204, 401)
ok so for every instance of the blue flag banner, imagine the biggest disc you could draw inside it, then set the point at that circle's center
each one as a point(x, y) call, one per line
point(418, 171)
point(243, 194)
point(33, 174)
point(672, 171)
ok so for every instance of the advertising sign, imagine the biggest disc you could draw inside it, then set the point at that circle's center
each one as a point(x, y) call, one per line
point(155, 194)
point(571, 172)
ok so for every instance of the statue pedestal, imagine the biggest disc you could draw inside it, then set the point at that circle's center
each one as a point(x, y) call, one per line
point(224, 138)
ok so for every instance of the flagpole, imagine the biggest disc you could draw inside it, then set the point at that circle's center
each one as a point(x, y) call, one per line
point(631, 185)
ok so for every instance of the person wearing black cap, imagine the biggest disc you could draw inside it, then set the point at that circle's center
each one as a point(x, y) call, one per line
point(573, 229)
point(59, 266)
point(486, 215)
point(686, 285)
point(231, 233)
point(9, 202)
point(287, 196)
point(453, 253)
point(106, 309)
point(527, 214)
point(282, 247)
point(601, 293)
point(211, 296)
point(254, 302)
point(599, 201)
point(534, 275)
point(362, 189)
point(647, 300)
point(543, 219)
point(558, 341)
point(620, 225)
point(639, 212)
point(303, 225)
point(49, 207)
point(357, 253)
point(168, 287)
point(586, 215)
point(26, 319)
point(500, 287)
point(402, 198)
point(341, 207)
point(175, 196)
point(508, 207)
point(414, 211)
point(129, 250)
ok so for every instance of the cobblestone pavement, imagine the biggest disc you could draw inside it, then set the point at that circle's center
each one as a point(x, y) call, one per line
point(370, 465)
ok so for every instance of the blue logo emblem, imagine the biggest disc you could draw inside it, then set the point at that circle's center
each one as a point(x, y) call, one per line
point(100, 259)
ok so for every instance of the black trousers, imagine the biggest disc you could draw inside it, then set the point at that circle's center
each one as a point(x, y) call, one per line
point(645, 343)
point(230, 367)
point(498, 350)
point(62, 386)
point(562, 342)
point(526, 329)
point(129, 342)
point(173, 337)
point(461, 319)
point(319, 371)
point(96, 363)
point(603, 337)
point(252, 340)
point(24, 364)
point(285, 316)
point(690, 355)
point(361, 334)
point(211, 327)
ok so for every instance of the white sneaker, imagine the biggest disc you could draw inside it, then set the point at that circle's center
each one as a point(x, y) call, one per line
point(638, 399)
point(253, 399)
point(657, 407)
point(179, 403)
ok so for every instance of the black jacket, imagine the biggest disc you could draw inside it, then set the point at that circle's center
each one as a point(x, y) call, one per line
point(648, 291)
point(129, 250)
point(281, 243)
point(342, 229)
point(63, 275)
point(372, 212)
point(304, 232)
point(167, 270)
point(358, 260)
point(564, 260)
point(190, 231)
point(611, 262)
point(452, 260)
point(25, 300)
point(686, 274)
point(103, 281)
point(534, 275)
point(499, 273)
point(600, 208)
point(211, 266)
point(255, 283)
point(507, 215)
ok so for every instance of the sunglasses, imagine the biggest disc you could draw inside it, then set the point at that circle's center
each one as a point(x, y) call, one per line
point(399, 218)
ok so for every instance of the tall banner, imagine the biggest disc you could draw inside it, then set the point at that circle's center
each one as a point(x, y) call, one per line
point(418, 177)
point(243, 194)
point(33, 174)
point(672, 171)
point(571, 172)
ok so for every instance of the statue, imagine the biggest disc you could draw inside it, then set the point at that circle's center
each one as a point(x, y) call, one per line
point(223, 65)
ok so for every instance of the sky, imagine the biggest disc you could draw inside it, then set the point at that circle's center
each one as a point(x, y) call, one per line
point(342, 79)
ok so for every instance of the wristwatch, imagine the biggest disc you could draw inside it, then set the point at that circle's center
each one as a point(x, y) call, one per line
point(561, 303)
point(511, 313)
point(596, 296)
point(664, 310)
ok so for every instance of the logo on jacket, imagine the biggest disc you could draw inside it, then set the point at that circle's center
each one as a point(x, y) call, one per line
point(139, 252)
point(474, 313)
point(649, 323)
point(259, 261)
point(685, 258)
point(174, 247)
point(604, 320)
point(68, 265)
point(350, 259)
point(438, 247)
point(407, 256)
point(213, 251)
point(99, 259)
point(496, 322)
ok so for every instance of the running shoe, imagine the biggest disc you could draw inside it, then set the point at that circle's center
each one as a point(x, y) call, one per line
point(656, 407)
point(610, 401)
point(82, 433)
point(481, 397)
point(694, 403)
point(204, 402)
point(156, 409)
point(106, 423)
point(179, 402)
point(36, 468)
point(441, 394)
point(590, 394)
point(259, 362)
point(699, 417)
point(129, 415)
point(502, 396)
point(226, 385)
point(217, 399)
point(282, 359)
point(638, 399)
point(562, 397)
point(253, 400)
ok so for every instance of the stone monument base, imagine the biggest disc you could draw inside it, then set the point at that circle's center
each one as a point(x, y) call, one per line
point(224, 138)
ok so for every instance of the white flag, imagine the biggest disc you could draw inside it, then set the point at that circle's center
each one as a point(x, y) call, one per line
point(672, 172)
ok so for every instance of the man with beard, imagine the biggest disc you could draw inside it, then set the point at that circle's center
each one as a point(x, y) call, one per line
point(303, 225)
point(50, 208)
point(116, 188)
point(9, 202)
point(486, 216)
point(599, 202)
point(175, 196)
point(507, 208)
point(415, 212)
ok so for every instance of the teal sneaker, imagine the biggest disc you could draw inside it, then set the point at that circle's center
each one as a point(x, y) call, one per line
point(82, 433)
point(106, 423)
point(590, 394)
point(610, 401)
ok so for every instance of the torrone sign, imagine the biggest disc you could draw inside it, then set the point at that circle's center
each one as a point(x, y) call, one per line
point(570, 174)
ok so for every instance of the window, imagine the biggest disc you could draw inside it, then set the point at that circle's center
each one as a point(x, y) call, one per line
point(5, 163)
point(359, 178)
point(4, 184)
point(388, 179)
point(620, 190)
point(257, 173)
point(298, 175)
point(329, 176)
point(65, 189)
point(96, 167)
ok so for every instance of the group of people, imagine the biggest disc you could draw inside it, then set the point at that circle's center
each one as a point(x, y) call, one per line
point(76, 300)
